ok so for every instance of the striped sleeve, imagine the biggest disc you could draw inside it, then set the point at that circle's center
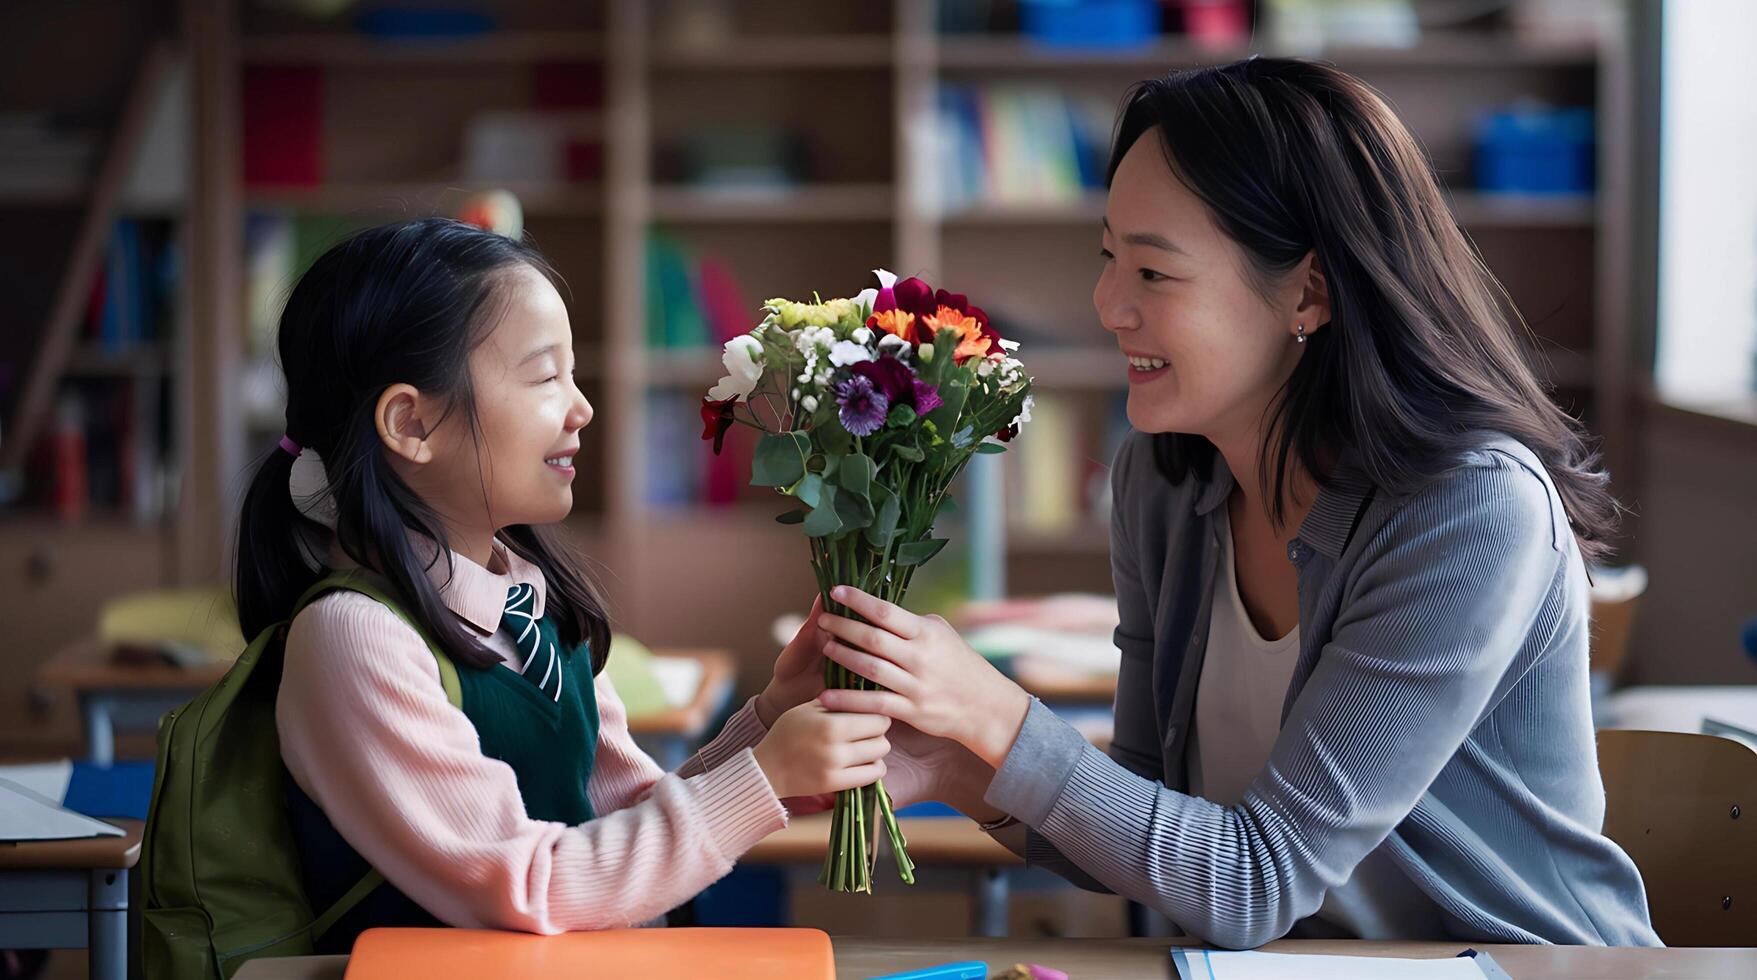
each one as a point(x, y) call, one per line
point(1418, 652)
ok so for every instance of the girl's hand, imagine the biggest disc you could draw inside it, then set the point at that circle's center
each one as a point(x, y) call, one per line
point(928, 767)
point(811, 751)
point(799, 670)
point(934, 681)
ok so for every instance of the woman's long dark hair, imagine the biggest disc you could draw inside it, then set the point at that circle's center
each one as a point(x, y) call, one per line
point(1420, 356)
point(406, 303)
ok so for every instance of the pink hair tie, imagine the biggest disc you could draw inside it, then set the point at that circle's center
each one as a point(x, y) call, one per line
point(293, 449)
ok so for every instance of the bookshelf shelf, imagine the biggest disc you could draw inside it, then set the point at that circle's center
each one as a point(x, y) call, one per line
point(960, 53)
point(821, 52)
point(416, 198)
point(91, 361)
point(337, 49)
point(1087, 537)
point(781, 205)
point(1086, 212)
point(1474, 210)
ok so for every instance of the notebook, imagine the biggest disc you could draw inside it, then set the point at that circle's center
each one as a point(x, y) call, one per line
point(26, 815)
point(1205, 964)
point(651, 954)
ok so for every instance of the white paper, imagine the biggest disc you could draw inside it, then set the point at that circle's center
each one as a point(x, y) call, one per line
point(46, 779)
point(679, 678)
point(25, 815)
point(1251, 965)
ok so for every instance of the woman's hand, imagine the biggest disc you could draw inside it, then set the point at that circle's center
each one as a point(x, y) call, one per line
point(928, 767)
point(935, 681)
point(811, 751)
point(799, 670)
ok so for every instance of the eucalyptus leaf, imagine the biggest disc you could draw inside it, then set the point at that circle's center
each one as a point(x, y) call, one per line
point(853, 512)
point(916, 552)
point(903, 450)
point(991, 448)
point(810, 490)
point(884, 522)
point(779, 460)
point(822, 521)
point(791, 517)
point(855, 474)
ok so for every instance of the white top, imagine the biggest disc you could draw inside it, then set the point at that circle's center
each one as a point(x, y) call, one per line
point(1244, 682)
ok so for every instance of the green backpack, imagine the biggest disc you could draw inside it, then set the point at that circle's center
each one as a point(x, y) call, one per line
point(220, 879)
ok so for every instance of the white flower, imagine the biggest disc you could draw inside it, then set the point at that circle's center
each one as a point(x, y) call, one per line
point(743, 361)
point(811, 339)
point(1009, 345)
point(809, 403)
point(861, 335)
point(891, 341)
point(823, 379)
point(984, 368)
point(848, 352)
point(1025, 411)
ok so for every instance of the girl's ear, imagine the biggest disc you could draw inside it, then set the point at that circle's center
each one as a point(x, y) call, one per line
point(1313, 311)
point(400, 426)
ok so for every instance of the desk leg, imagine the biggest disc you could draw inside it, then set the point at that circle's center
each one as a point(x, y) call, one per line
point(107, 939)
point(988, 902)
point(100, 730)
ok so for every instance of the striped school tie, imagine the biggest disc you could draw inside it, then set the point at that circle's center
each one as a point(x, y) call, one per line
point(536, 646)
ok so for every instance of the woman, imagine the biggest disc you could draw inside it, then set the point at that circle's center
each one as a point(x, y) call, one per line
point(1348, 539)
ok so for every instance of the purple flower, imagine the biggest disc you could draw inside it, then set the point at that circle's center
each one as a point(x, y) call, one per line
point(926, 396)
point(863, 408)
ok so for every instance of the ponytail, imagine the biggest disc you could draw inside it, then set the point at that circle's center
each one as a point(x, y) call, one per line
point(274, 566)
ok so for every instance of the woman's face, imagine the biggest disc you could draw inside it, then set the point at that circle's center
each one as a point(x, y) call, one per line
point(1207, 350)
point(519, 466)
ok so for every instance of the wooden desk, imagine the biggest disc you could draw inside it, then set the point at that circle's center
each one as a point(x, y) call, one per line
point(70, 894)
point(1149, 959)
point(110, 694)
point(933, 841)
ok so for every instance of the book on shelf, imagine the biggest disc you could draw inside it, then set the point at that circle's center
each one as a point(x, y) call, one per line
point(1011, 143)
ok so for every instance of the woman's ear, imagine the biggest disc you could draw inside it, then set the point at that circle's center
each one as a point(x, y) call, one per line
point(400, 426)
point(1313, 311)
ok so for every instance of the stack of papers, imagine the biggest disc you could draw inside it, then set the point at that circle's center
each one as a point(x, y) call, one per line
point(1203, 964)
point(26, 815)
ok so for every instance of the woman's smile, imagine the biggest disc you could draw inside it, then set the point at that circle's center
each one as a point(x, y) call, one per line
point(1145, 367)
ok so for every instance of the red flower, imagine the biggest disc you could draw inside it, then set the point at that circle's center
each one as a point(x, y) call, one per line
point(890, 376)
point(716, 419)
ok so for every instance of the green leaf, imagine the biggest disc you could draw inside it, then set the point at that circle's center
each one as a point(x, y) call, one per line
point(791, 517)
point(855, 476)
point(901, 417)
point(823, 522)
point(853, 512)
point(947, 506)
point(991, 448)
point(916, 552)
point(953, 393)
point(908, 452)
point(810, 490)
point(833, 439)
point(779, 460)
point(884, 521)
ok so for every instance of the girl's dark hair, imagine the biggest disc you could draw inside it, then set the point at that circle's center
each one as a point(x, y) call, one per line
point(407, 303)
point(1420, 356)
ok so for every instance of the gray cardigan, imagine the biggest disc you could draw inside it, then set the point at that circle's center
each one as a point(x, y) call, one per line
point(1438, 719)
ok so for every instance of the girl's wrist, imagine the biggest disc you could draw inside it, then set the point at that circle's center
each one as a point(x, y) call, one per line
point(999, 725)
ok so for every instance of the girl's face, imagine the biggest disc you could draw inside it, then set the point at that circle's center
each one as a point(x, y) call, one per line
point(519, 466)
point(1207, 350)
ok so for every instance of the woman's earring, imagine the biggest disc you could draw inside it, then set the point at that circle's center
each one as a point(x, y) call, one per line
point(1300, 336)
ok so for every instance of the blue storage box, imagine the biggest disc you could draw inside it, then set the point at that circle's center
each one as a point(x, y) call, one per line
point(1090, 23)
point(1535, 151)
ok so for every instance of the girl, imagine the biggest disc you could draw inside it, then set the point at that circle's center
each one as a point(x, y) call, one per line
point(1348, 541)
point(430, 369)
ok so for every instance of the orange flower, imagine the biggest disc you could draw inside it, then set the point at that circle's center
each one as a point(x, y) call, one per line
point(900, 323)
point(972, 340)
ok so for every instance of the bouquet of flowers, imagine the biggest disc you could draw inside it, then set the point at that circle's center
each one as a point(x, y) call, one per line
point(869, 408)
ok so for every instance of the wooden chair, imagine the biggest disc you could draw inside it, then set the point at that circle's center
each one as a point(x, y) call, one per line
point(1684, 807)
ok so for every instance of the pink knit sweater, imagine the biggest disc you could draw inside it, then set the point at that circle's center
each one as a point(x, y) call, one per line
point(367, 732)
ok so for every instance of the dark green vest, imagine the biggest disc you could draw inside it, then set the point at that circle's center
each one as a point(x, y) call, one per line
point(549, 744)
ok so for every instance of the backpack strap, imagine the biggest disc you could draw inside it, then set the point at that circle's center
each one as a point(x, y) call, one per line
point(376, 587)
